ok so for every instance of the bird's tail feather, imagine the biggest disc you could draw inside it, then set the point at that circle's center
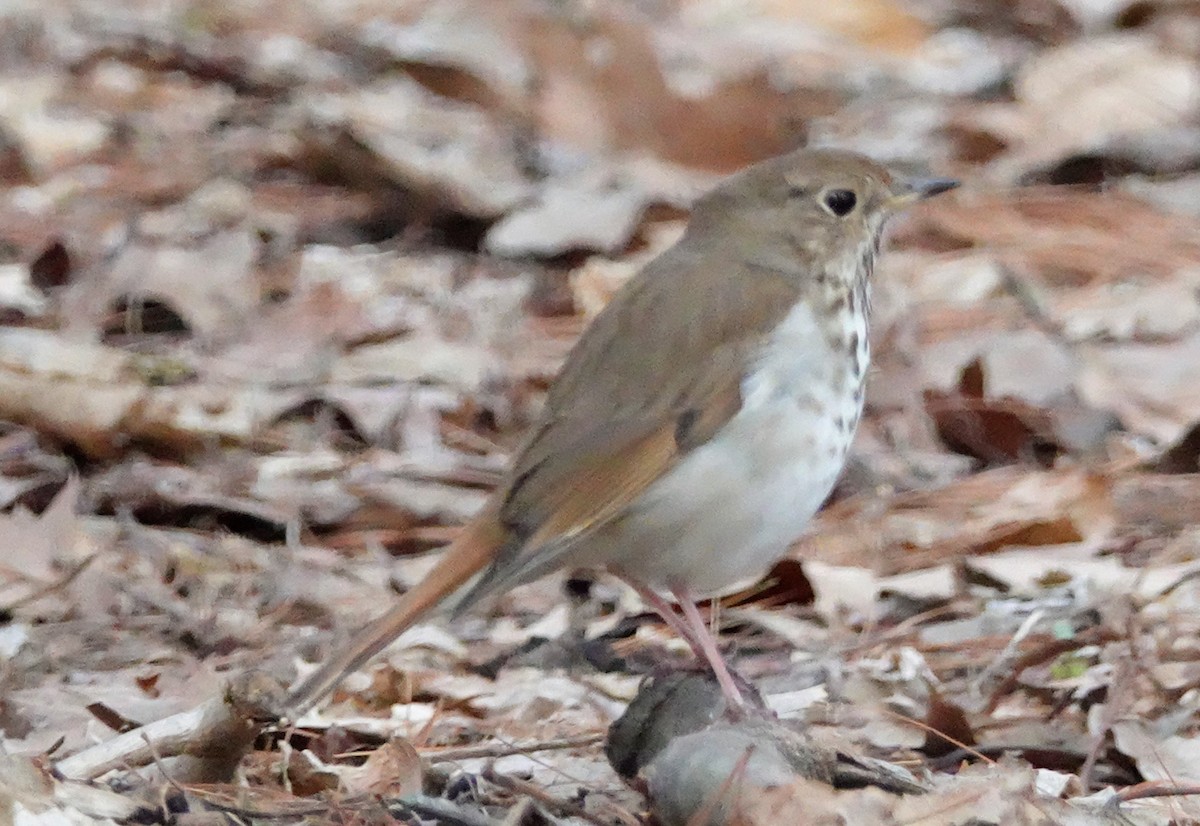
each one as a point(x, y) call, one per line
point(470, 553)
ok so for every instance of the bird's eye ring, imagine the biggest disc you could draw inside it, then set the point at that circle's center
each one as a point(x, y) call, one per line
point(839, 202)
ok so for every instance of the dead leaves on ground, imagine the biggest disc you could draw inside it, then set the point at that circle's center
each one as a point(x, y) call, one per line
point(281, 283)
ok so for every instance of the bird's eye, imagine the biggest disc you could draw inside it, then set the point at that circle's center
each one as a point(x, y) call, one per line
point(839, 201)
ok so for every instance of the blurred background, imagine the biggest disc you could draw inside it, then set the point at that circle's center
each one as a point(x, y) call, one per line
point(281, 283)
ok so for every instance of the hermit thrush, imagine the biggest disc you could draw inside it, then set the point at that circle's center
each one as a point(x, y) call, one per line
point(701, 419)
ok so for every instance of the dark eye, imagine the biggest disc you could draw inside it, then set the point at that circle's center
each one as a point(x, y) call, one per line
point(840, 201)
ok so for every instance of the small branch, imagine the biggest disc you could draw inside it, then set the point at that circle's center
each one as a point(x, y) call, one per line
point(209, 740)
point(1113, 707)
point(441, 811)
point(1010, 650)
point(495, 750)
point(569, 808)
point(1090, 636)
point(928, 729)
point(1032, 304)
point(1150, 789)
point(52, 587)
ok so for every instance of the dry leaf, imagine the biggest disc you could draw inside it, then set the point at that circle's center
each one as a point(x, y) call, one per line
point(1081, 96)
point(449, 155)
point(391, 771)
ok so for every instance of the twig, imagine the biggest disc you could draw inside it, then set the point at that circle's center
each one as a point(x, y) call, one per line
point(565, 807)
point(1112, 708)
point(443, 811)
point(28, 781)
point(495, 750)
point(949, 759)
point(1188, 577)
point(903, 628)
point(520, 812)
point(1032, 305)
point(307, 810)
point(928, 729)
point(1025, 629)
point(1089, 636)
point(52, 587)
point(1150, 789)
point(211, 738)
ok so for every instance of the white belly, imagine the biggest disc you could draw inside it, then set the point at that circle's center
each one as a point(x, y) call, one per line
point(732, 507)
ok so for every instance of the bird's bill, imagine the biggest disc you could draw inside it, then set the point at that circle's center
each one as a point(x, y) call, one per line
point(918, 189)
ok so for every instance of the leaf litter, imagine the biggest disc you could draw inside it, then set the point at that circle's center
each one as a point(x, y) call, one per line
point(281, 285)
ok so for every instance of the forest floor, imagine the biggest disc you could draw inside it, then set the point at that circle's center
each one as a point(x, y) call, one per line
point(281, 284)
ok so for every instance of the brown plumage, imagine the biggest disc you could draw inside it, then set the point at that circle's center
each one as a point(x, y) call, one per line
point(704, 414)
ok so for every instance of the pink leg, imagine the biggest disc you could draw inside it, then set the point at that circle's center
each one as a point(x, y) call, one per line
point(691, 627)
point(663, 608)
point(708, 648)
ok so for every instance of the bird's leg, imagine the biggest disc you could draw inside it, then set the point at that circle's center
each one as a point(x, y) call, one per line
point(690, 626)
point(705, 644)
point(663, 608)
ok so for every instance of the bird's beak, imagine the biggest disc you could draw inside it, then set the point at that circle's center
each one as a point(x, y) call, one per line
point(918, 189)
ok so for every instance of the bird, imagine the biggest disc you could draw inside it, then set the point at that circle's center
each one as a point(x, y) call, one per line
point(700, 420)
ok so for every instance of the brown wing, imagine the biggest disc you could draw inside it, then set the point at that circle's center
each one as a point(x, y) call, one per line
point(592, 474)
point(646, 384)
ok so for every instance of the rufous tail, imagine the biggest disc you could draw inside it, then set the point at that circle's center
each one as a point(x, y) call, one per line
point(474, 548)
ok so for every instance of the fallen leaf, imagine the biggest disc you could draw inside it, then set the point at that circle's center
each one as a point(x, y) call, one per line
point(396, 133)
point(391, 771)
point(38, 547)
point(1100, 89)
point(211, 306)
point(569, 216)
